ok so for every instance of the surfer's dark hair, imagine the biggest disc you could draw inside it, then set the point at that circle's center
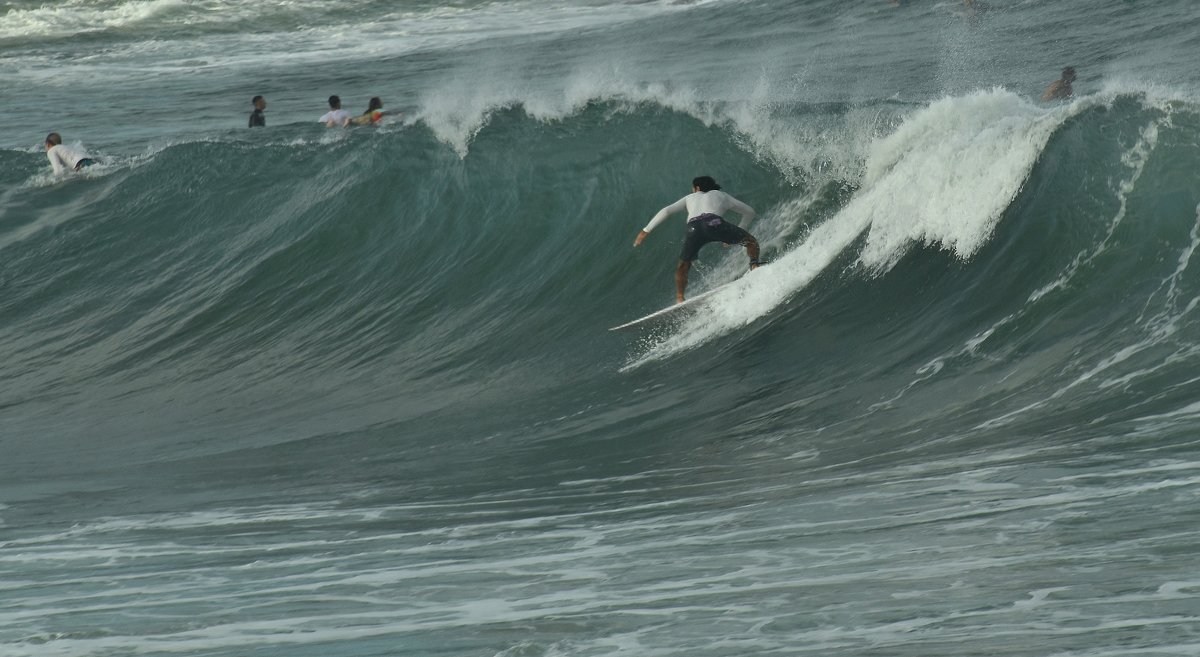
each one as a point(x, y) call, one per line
point(374, 104)
point(54, 139)
point(335, 102)
point(255, 100)
point(705, 183)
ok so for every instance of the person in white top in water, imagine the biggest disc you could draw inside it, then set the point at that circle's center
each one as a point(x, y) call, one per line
point(705, 207)
point(62, 158)
point(336, 116)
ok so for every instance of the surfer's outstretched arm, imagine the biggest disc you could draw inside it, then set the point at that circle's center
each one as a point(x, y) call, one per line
point(677, 206)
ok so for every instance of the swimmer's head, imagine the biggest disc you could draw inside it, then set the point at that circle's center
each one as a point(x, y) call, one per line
point(335, 102)
point(53, 139)
point(375, 104)
point(1068, 73)
point(259, 102)
point(705, 183)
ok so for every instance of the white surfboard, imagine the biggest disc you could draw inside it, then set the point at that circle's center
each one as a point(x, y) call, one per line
point(669, 310)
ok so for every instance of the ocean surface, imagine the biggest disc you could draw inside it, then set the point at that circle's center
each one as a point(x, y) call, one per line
point(310, 392)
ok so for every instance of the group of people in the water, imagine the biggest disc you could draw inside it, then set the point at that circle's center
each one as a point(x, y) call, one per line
point(336, 116)
point(63, 158)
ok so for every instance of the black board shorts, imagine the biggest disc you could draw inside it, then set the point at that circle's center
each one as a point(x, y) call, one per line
point(706, 228)
point(84, 163)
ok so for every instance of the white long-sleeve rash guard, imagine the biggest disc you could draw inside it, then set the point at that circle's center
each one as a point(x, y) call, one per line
point(63, 159)
point(698, 203)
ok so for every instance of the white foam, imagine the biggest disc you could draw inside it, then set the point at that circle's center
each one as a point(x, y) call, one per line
point(813, 148)
point(288, 34)
point(80, 17)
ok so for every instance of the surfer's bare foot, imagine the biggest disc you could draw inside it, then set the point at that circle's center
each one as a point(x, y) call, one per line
point(678, 298)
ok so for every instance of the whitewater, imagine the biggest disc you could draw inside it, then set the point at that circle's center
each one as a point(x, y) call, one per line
point(305, 391)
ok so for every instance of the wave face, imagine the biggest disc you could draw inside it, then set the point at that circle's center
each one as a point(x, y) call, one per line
point(308, 392)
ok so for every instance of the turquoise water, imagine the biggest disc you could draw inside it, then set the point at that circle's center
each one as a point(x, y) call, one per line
point(299, 391)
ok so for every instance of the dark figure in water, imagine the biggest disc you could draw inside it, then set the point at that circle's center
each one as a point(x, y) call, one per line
point(1060, 89)
point(257, 118)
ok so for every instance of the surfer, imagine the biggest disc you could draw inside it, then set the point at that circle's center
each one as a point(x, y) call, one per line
point(705, 207)
point(257, 118)
point(62, 158)
point(336, 115)
point(1060, 89)
point(373, 115)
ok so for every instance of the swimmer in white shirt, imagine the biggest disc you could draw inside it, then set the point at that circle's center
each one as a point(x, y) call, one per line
point(336, 116)
point(705, 207)
point(63, 159)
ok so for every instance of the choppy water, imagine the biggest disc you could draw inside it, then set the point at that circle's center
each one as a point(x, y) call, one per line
point(298, 391)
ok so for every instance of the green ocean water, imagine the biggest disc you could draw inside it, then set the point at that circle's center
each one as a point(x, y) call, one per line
point(306, 391)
